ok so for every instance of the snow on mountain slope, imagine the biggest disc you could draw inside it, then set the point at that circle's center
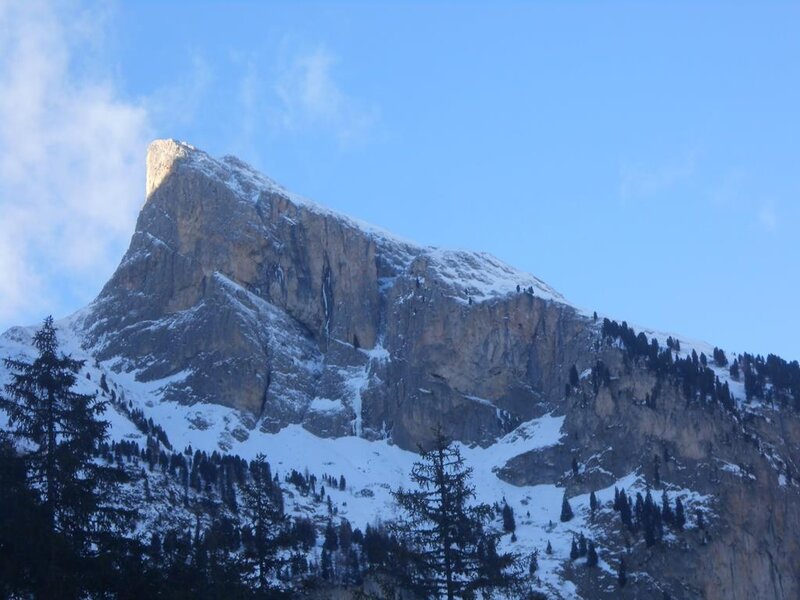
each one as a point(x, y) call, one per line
point(372, 469)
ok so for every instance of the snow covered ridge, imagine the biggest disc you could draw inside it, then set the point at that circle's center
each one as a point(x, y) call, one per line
point(478, 275)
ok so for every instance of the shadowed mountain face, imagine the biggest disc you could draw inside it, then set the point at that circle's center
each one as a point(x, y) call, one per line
point(293, 314)
point(236, 292)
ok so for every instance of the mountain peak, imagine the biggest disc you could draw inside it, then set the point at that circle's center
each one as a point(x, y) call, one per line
point(230, 275)
point(161, 158)
point(470, 275)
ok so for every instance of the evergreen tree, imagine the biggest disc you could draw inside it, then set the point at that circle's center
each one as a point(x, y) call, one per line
point(680, 515)
point(701, 523)
point(509, 524)
point(574, 379)
point(534, 563)
point(62, 432)
point(734, 370)
point(331, 538)
point(666, 510)
point(574, 552)
point(345, 535)
point(264, 502)
point(591, 556)
point(582, 545)
point(495, 571)
point(622, 576)
point(566, 510)
point(326, 565)
point(638, 511)
point(23, 531)
point(720, 358)
point(352, 568)
point(593, 504)
point(549, 549)
point(651, 520)
point(449, 553)
point(625, 509)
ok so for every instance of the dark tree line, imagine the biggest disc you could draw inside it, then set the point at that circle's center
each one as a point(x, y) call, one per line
point(783, 377)
point(643, 515)
point(773, 379)
point(65, 534)
point(696, 379)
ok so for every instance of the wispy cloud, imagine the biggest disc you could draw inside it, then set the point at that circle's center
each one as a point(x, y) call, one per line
point(739, 193)
point(768, 217)
point(71, 152)
point(311, 98)
point(640, 181)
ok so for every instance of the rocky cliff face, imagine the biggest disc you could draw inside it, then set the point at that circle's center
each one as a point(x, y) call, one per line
point(749, 547)
point(238, 293)
point(229, 278)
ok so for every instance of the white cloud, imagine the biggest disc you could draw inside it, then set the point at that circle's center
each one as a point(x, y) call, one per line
point(71, 156)
point(639, 182)
point(311, 99)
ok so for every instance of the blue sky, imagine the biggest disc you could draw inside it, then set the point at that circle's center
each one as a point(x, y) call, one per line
point(641, 158)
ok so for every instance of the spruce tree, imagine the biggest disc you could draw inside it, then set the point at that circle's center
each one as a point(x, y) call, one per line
point(326, 565)
point(574, 379)
point(566, 510)
point(62, 431)
point(734, 370)
point(591, 556)
point(582, 545)
point(496, 572)
point(534, 563)
point(264, 502)
point(680, 515)
point(593, 504)
point(23, 530)
point(448, 551)
point(509, 524)
point(625, 509)
point(331, 538)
